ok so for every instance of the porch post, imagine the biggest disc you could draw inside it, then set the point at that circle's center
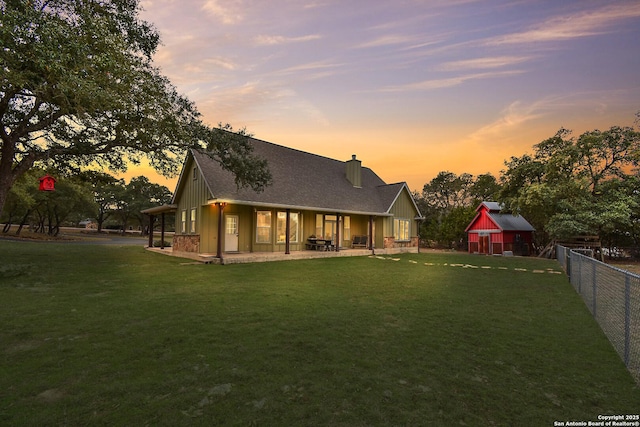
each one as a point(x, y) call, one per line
point(151, 218)
point(162, 231)
point(288, 232)
point(337, 232)
point(371, 232)
point(220, 229)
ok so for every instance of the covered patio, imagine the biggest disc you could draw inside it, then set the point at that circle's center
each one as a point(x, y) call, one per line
point(153, 213)
point(251, 257)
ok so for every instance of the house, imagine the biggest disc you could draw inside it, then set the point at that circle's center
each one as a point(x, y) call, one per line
point(311, 197)
point(492, 232)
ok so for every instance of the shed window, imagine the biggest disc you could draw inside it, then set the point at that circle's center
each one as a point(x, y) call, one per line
point(401, 229)
point(263, 227)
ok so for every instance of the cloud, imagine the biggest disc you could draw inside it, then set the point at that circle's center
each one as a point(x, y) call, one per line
point(483, 63)
point(387, 40)
point(261, 100)
point(515, 118)
point(578, 25)
point(279, 40)
point(447, 82)
point(512, 117)
point(311, 70)
point(227, 13)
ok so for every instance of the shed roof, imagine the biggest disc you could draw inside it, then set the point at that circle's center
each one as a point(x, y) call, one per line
point(509, 222)
point(505, 222)
point(302, 180)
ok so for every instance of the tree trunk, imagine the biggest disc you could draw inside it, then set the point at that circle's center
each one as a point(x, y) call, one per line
point(7, 224)
point(24, 221)
point(6, 182)
point(8, 171)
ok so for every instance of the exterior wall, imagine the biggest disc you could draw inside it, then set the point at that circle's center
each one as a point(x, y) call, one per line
point(209, 229)
point(192, 194)
point(504, 241)
point(186, 243)
point(403, 208)
point(496, 248)
point(495, 239)
point(483, 222)
point(519, 242)
point(247, 235)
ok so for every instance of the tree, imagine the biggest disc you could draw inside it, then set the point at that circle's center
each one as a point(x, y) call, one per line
point(143, 194)
point(21, 200)
point(55, 207)
point(448, 203)
point(448, 190)
point(105, 189)
point(78, 88)
point(484, 188)
point(573, 186)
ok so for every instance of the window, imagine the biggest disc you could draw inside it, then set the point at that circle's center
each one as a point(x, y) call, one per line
point(330, 226)
point(347, 228)
point(401, 229)
point(183, 222)
point(195, 174)
point(192, 224)
point(319, 223)
point(263, 227)
point(281, 228)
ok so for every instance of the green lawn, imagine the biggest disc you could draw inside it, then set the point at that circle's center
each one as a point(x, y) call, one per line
point(104, 335)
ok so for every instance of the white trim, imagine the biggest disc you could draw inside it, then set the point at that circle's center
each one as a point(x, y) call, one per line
point(489, 231)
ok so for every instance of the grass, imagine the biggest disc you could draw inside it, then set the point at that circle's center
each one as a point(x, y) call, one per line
point(104, 335)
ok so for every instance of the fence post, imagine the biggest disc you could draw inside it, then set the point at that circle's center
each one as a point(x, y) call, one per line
point(579, 275)
point(627, 318)
point(595, 289)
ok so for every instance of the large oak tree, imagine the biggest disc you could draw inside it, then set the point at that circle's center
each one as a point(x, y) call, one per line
point(78, 88)
point(583, 185)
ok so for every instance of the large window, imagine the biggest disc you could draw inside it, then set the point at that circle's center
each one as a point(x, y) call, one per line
point(401, 229)
point(263, 227)
point(347, 227)
point(319, 225)
point(281, 227)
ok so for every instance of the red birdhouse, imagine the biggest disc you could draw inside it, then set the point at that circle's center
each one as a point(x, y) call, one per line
point(47, 183)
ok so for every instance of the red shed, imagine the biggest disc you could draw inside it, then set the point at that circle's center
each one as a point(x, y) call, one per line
point(492, 232)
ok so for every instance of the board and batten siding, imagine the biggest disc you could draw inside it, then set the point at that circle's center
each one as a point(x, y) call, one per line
point(193, 194)
point(403, 208)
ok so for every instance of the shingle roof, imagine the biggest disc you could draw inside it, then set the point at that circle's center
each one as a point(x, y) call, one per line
point(505, 222)
point(491, 206)
point(508, 222)
point(302, 180)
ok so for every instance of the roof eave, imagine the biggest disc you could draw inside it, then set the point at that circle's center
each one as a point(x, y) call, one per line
point(160, 209)
point(295, 207)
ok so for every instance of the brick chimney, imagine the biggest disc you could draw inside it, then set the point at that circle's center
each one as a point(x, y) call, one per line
point(354, 171)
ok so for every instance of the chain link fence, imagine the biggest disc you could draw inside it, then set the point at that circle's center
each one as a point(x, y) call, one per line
point(613, 298)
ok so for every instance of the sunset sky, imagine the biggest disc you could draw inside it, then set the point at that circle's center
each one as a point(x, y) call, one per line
point(412, 87)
